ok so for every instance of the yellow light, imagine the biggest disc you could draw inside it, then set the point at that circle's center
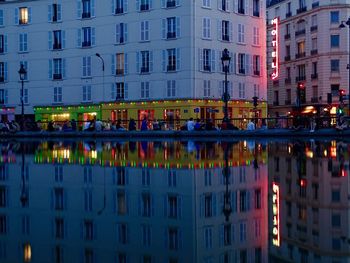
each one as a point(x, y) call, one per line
point(27, 253)
point(325, 153)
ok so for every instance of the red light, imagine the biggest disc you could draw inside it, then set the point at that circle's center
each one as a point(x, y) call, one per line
point(343, 173)
point(301, 85)
point(303, 182)
point(342, 92)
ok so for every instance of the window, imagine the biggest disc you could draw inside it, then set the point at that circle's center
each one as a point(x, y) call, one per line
point(57, 68)
point(87, 93)
point(301, 48)
point(58, 196)
point(314, 43)
point(257, 90)
point(1, 17)
point(146, 178)
point(120, 6)
point(208, 237)
point(120, 65)
point(206, 28)
point(206, 88)
point(3, 71)
point(241, 33)
point(3, 44)
point(59, 228)
point(287, 29)
point(3, 224)
point(120, 92)
point(241, 6)
point(171, 28)
point(143, 5)
point(54, 13)
point(57, 94)
point(23, 15)
point(145, 90)
point(86, 67)
point(256, 65)
point(289, 9)
point(206, 3)
point(85, 9)
point(288, 51)
point(335, 91)
point(302, 4)
point(88, 230)
point(23, 42)
point(314, 68)
point(171, 58)
point(336, 220)
point(223, 5)
point(314, 20)
point(242, 63)
point(301, 72)
point(171, 88)
point(256, 36)
point(335, 65)
point(88, 200)
point(170, 3)
point(242, 231)
point(226, 31)
point(208, 57)
point(3, 96)
point(256, 8)
point(121, 33)
point(87, 36)
point(144, 61)
point(173, 238)
point(122, 229)
point(144, 31)
point(335, 196)
point(57, 39)
point(146, 236)
point(335, 17)
point(335, 41)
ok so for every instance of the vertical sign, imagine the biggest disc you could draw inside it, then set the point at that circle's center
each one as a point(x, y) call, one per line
point(275, 48)
point(276, 215)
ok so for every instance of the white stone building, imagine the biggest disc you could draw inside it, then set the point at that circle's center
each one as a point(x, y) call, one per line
point(151, 50)
point(313, 52)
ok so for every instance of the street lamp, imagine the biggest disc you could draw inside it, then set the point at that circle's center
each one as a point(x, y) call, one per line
point(22, 74)
point(103, 76)
point(227, 209)
point(226, 60)
point(342, 25)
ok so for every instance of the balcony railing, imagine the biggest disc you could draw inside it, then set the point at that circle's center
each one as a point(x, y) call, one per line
point(57, 76)
point(241, 11)
point(314, 76)
point(119, 71)
point(289, 14)
point(300, 32)
point(171, 68)
point(2, 79)
point(256, 13)
point(86, 44)
point(313, 52)
point(241, 71)
point(287, 58)
point(316, 4)
point(314, 99)
point(119, 10)
point(301, 10)
point(144, 69)
point(287, 81)
point(300, 78)
point(144, 7)
point(121, 40)
point(206, 68)
point(225, 38)
point(276, 103)
point(171, 35)
point(287, 36)
point(256, 72)
point(57, 46)
point(1, 50)
point(170, 4)
point(288, 102)
point(313, 28)
point(300, 55)
point(86, 15)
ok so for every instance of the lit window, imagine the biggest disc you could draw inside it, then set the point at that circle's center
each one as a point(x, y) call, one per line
point(23, 15)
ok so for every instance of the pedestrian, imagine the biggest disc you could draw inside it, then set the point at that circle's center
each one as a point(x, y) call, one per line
point(190, 124)
point(98, 125)
point(132, 125)
point(155, 124)
point(198, 126)
point(144, 124)
point(250, 125)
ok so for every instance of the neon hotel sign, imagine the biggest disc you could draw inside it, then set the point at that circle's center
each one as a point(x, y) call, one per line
point(276, 215)
point(275, 50)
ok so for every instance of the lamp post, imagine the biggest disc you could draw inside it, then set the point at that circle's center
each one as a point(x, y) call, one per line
point(226, 60)
point(227, 209)
point(22, 73)
point(342, 25)
point(103, 75)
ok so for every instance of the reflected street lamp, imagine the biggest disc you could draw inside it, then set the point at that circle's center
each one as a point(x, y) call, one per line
point(343, 25)
point(226, 60)
point(103, 76)
point(227, 209)
point(22, 74)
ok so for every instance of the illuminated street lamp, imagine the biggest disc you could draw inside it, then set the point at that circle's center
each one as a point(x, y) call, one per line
point(343, 25)
point(103, 76)
point(22, 74)
point(226, 60)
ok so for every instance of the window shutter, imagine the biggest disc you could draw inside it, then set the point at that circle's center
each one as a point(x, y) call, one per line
point(5, 71)
point(247, 64)
point(6, 96)
point(113, 96)
point(221, 235)
point(63, 39)
point(117, 33)
point(200, 59)
point(5, 43)
point(137, 5)
point(1, 17)
point(150, 4)
point(177, 27)
point(214, 204)
point(163, 3)
point(250, 10)
point(125, 32)
point(246, 11)
point(113, 64)
point(93, 38)
point(231, 69)
point(251, 71)
point(126, 90)
point(219, 52)
point(151, 61)
point(219, 4)
point(230, 88)
point(49, 13)
point(179, 206)
point(201, 205)
point(59, 12)
point(29, 15)
point(50, 68)
point(178, 59)
point(50, 40)
point(78, 37)
point(235, 6)
point(64, 68)
point(113, 7)
point(227, 5)
point(235, 60)
point(177, 2)
point(16, 16)
point(219, 25)
point(92, 3)
point(138, 62)
point(231, 31)
point(79, 9)
point(164, 60)
point(212, 51)
point(126, 69)
point(164, 28)
point(125, 5)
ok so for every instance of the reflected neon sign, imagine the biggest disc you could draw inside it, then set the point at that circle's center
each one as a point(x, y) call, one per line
point(275, 48)
point(276, 215)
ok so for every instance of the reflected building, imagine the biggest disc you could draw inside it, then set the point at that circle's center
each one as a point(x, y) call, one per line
point(134, 202)
point(309, 202)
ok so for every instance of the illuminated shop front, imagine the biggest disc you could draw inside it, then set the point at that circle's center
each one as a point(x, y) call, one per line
point(7, 114)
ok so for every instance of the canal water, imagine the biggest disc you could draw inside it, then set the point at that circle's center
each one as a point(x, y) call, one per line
point(245, 201)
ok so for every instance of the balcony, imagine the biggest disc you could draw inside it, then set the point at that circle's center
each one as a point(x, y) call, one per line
point(241, 71)
point(313, 52)
point(170, 4)
point(57, 76)
point(276, 103)
point(144, 7)
point(313, 28)
point(256, 72)
point(300, 55)
point(119, 10)
point(121, 40)
point(225, 38)
point(171, 35)
point(241, 10)
point(119, 71)
point(86, 15)
point(2, 79)
point(57, 46)
point(144, 69)
point(300, 33)
point(287, 36)
point(288, 102)
point(315, 5)
point(287, 58)
point(314, 76)
point(171, 68)
point(256, 13)
point(1, 50)
point(300, 78)
point(86, 44)
point(207, 68)
point(314, 99)
point(289, 14)
point(287, 81)
point(301, 10)
point(54, 18)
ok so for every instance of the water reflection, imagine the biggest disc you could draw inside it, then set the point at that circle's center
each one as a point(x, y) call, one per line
point(174, 201)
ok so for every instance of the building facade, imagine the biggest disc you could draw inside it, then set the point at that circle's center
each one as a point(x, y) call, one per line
point(312, 55)
point(129, 51)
